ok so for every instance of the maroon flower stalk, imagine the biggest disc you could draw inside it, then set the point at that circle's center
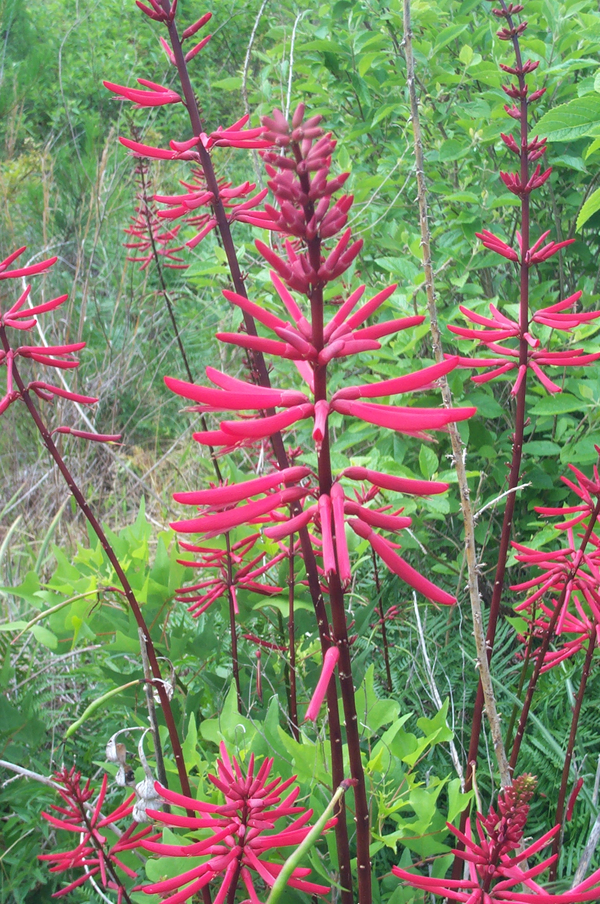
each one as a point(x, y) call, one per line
point(93, 854)
point(197, 150)
point(498, 329)
point(313, 216)
point(16, 390)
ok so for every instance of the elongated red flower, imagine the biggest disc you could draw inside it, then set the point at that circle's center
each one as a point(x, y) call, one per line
point(154, 95)
point(243, 832)
point(330, 661)
point(93, 854)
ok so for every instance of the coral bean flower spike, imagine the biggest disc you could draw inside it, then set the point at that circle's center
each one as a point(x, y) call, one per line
point(498, 868)
point(93, 853)
point(239, 835)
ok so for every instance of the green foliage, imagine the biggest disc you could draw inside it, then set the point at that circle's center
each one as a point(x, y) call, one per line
point(69, 642)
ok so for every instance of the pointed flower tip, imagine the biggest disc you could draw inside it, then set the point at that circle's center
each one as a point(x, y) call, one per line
point(330, 661)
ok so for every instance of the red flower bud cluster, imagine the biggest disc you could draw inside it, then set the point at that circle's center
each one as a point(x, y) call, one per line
point(242, 834)
point(496, 857)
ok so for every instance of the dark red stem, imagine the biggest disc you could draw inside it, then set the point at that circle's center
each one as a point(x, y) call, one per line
point(232, 626)
point(386, 654)
point(336, 592)
point(560, 806)
point(293, 701)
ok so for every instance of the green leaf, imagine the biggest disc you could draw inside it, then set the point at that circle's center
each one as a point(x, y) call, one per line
point(594, 146)
point(561, 403)
point(428, 462)
point(13, 626)
point(27, 590)
point(230, 726)
point(436, 730)
point(373, 712)
point(281, 603)
point(365, 62)
point(45, 637)
point(453, 149)
point(542, 447)
point(591, 206)
point(233, 83)
point(572, 120)
point(447, 35)
point(466, 55)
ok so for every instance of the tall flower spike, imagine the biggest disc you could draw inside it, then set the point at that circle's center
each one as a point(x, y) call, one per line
point(242, 834)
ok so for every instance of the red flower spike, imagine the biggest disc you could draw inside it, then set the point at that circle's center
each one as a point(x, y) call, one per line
point(495, 874)
point(243, 833)
point(93, 854)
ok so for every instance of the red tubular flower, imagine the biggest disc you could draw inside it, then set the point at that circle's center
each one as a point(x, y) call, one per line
point(93, 854)
point(398, 566)
point(243, 833)
point(214, 524)
point(155, 96)
point(330, 661)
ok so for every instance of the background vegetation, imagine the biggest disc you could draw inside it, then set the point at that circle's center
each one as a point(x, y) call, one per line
point(68, 188)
